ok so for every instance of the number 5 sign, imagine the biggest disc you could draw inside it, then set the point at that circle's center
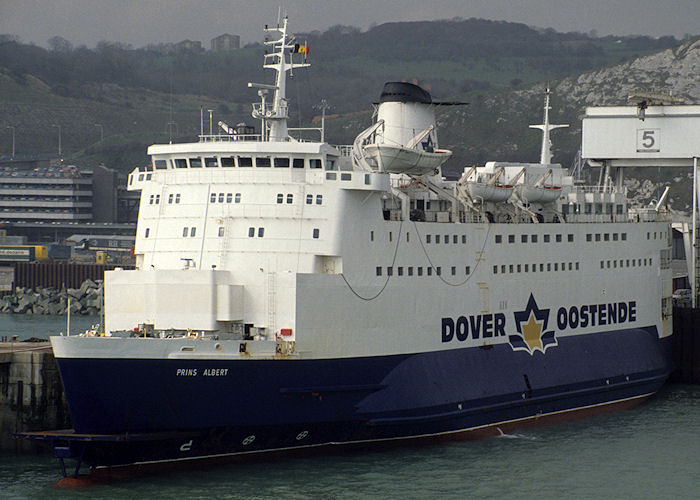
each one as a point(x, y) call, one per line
point(648, 140)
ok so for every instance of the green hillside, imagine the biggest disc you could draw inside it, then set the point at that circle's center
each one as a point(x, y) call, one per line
point(140, 96)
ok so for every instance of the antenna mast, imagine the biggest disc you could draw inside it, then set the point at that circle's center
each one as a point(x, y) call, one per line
point(546, 127)
point(274, 117)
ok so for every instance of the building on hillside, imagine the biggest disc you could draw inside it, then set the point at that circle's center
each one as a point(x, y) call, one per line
point(188, 46)
point(225, 42)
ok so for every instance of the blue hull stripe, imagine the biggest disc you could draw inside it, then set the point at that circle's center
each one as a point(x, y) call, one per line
point(279, 404)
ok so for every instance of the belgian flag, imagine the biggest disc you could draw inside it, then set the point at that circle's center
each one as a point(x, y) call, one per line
point(300, 49)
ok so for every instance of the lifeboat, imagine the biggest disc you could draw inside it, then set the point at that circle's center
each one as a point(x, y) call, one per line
point(537, 194)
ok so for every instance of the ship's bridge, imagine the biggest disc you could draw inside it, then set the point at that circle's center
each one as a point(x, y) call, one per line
point(296, 156)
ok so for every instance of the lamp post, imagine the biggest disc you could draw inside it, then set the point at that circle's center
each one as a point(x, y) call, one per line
point(59, 139)
point(13, 140)
point(102, 131)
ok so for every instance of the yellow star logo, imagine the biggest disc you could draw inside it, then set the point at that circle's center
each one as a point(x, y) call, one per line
point(532, 332)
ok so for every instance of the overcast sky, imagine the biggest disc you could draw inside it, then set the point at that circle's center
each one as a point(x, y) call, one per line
point(140, 22)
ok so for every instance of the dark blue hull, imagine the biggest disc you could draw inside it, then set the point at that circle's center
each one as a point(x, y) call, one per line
point(159, 410)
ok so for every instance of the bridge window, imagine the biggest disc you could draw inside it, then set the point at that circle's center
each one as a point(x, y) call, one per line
point(315, 163)
point(281, 162)
point(196, 162)
point(228, 161)
point(160, 164)
point(211, 161)
point(262, 161)
point(298, 163)
point(245, 161)
point(180, 163)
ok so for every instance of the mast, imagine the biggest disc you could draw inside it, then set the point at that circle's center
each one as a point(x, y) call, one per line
point(546, 127)
point(274, 116)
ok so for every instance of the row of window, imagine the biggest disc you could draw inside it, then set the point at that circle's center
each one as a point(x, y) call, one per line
point(419, 270)
point(240, 161)
point(527, 268)
point(309, 198)
point(606, 236)
point(612, 264)
point(225, 197)
point(192, 232)
point(533, 238)
point(429, 238)
point(261, 232)
point(592, 208)
point(155, 199)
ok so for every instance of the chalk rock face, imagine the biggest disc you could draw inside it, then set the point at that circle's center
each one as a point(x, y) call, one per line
point(87, 299)
point(672, 70)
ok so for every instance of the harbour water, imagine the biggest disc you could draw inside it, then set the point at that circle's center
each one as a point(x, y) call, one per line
point(650, 452)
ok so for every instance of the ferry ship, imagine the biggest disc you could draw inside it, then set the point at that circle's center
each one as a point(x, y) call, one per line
point(292, 294)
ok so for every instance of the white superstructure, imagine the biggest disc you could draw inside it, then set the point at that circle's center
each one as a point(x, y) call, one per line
point(318, 251)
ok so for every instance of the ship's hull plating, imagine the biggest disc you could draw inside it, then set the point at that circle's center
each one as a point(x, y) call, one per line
point(175, 409)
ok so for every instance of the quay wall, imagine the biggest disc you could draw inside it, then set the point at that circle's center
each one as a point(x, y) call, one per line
point(31, 394)
point(686, 345)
